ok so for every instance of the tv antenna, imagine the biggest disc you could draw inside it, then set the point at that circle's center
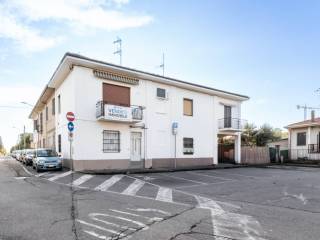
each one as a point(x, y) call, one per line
point(305, 108)
point(118, 43)
point(162, 64)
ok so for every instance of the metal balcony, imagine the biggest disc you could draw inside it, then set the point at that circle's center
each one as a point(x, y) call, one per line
point(109, 112)
point(313, 148)
point(233, 124)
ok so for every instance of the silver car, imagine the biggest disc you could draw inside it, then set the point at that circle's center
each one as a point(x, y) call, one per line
point(46, 159)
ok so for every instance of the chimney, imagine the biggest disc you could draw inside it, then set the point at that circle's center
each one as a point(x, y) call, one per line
point(312, 116)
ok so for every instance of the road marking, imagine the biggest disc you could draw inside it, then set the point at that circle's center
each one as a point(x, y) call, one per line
point(164, 194)
point(149, 210)
point(133, 188)
point(140, 224)
point(94, 216)
point(109, 182)
point(206, 175)
point(60, 176)
point(82, 179)
point(100, 228)
point(41, 174)
point(151, 219)
point(186, 179)
point(27, 171)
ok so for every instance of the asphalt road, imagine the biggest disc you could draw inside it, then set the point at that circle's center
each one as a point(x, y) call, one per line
point(242, 203)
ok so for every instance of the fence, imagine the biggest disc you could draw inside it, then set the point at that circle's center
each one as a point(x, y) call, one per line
point(255, 155)
point(304, 154)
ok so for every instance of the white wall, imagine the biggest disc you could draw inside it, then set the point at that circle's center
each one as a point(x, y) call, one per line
point(81, 91)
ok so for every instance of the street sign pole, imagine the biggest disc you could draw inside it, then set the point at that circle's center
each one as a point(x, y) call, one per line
point(70, 117)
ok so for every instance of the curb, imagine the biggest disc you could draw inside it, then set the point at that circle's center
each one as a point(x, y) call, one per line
point(161, 170)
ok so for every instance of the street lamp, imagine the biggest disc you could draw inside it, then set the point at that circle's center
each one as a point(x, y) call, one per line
point(25, 103)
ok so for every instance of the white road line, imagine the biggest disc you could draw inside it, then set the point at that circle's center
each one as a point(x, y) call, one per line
point(186, 179)
point(100, 228)
point(201, 174)
point(164, 194)
point(157, 219)
point(41, 174)
point(94, 217)
point(82, 179)
point(140, 224)
point(133, 188)
point(60, 176)
point(149, 210)
point(108, 183)
point(26, 170)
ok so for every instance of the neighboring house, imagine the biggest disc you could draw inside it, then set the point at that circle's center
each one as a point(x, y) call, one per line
point(304, 139)
point(130, 118)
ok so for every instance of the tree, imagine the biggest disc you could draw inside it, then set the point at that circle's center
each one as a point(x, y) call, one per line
point(248, 136)
point(251, 136)
point(267, 134)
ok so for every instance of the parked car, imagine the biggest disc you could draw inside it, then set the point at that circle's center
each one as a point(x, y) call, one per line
point(13, 153)
point(46, 159)
point(18, 155)
point(28, 156)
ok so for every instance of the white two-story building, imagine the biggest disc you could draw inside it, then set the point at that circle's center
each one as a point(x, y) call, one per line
point(304, 139)
point(128, 118)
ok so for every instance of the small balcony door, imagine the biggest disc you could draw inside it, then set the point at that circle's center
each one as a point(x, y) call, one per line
point(227, 116)
point(136, 146)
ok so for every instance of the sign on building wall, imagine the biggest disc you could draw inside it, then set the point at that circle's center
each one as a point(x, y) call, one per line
point(119, 113)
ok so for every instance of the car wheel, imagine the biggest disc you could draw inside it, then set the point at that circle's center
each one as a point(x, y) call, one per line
point(37, 169)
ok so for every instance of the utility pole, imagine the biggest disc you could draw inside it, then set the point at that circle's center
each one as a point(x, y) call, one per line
point(305, 108)
point(118, 43)
point(24, 136)
point(162, 64)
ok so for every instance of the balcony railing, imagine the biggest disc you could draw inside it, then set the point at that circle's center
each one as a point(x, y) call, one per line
point(231, 123)
point(313, 148)
point(109, 112)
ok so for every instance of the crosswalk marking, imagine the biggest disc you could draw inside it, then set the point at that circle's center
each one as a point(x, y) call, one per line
point(60, 176)
point(164, 194)
point(108, 183)
point(133, 188)
point(82, 179)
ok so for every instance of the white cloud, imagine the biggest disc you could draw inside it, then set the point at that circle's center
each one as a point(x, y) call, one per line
point(28, 39)
point(81, 13)
point(18, 19)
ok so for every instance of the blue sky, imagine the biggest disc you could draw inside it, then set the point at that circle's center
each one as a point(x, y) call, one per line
point(268, 50)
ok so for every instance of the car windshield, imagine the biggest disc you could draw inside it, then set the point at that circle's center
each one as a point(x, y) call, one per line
point(46, 153)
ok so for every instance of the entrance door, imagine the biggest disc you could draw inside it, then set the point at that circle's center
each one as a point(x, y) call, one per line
point(136, 146)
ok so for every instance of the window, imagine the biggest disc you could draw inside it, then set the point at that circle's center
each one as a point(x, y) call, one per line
point(161, 93)
point(111, 141)
point(187, 107)
point(41, 122)
point(47, 116)
point(116, 95)
point(53, 103)
point(44, 143)
point(59, 143)
point(227, 116)
point(59, 104)
point(301, 139)
point(188, 146)
point(35, 125)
